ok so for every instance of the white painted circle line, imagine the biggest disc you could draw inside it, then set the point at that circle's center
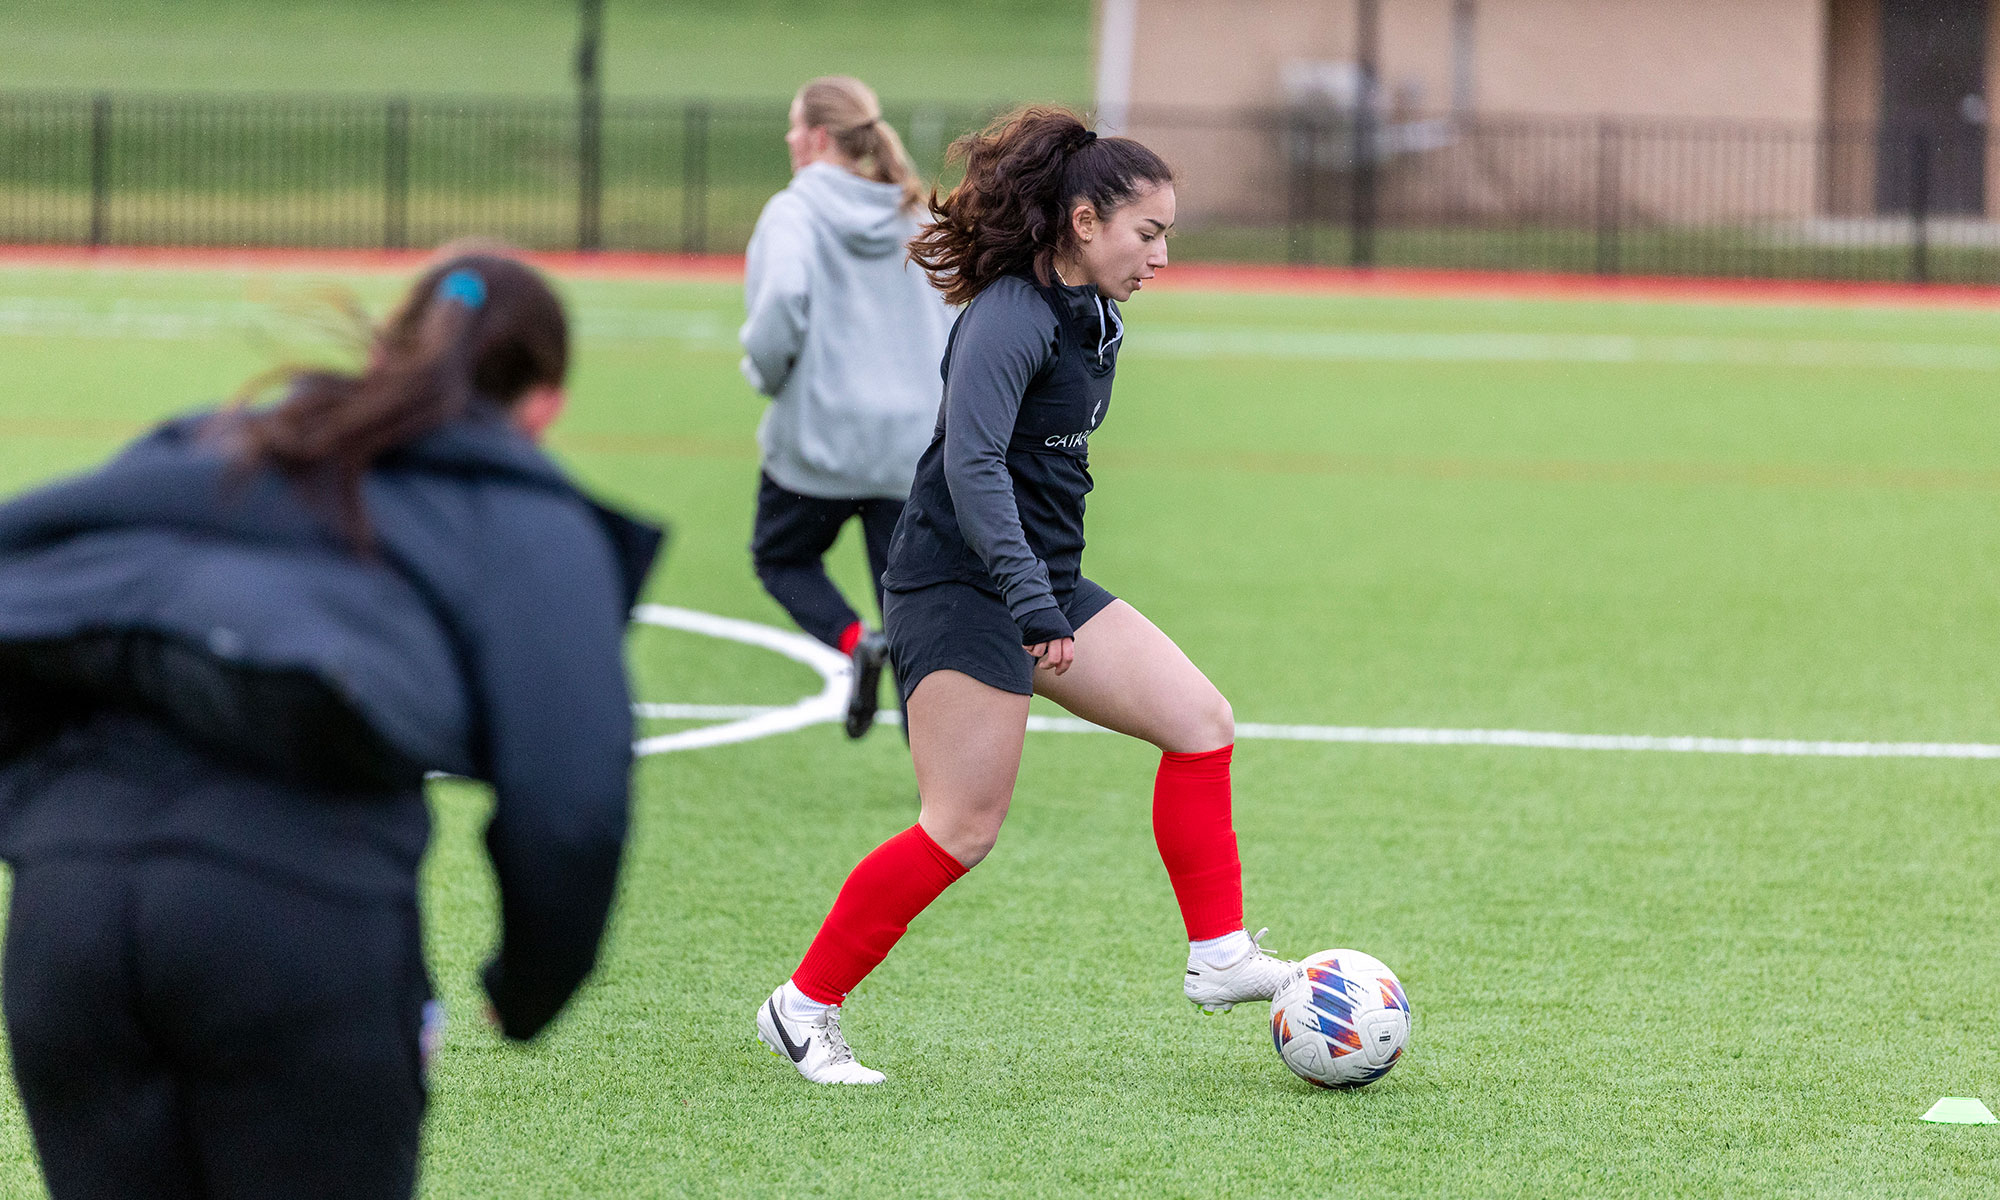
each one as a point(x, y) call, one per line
point(745, 722)
point(700, 712)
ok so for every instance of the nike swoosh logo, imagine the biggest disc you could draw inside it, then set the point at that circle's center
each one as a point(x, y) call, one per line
point(797, 1051)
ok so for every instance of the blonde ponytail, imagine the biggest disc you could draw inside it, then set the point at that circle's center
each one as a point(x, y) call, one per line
point(848, 110)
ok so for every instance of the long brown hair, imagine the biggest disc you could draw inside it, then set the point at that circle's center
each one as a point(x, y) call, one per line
point(475, 325)
point(851, 115)
point(1023, 174)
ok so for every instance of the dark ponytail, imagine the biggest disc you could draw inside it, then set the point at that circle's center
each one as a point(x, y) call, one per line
point(1023, 175)
point(480, 325)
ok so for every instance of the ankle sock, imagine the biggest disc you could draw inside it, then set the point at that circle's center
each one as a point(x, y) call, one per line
point(882, 895)
point(1222, 951)
point(797, 1006)
point(1191, 824)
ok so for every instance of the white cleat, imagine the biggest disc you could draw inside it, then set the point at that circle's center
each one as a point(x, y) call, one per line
point(815, 1047)
point(1256, 975)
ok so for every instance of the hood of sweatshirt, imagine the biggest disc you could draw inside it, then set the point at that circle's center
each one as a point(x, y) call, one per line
point(865, 215)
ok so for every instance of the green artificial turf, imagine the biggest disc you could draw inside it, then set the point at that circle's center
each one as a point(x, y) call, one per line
point(1634, 974)
point(721, 49)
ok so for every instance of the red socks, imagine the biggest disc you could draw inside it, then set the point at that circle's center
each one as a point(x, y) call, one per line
point(1197, 842)
point(882, 895)
point(901, 877)
point(850, 637)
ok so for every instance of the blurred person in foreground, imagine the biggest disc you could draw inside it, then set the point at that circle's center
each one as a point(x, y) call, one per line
point(227, 659)
point(844, 335)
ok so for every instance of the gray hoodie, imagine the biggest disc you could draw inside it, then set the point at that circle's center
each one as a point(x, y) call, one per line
point(844, 334)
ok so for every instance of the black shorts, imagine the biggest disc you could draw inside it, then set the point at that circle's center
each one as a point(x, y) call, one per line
point(957, 627)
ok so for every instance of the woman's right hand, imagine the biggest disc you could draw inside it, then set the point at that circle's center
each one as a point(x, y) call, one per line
point(1053, 656)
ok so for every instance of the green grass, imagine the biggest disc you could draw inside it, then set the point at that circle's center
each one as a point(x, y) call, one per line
point(734, 49)
point(1634, 975)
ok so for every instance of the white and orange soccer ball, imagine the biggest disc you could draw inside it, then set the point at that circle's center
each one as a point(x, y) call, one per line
point(1341, 1020)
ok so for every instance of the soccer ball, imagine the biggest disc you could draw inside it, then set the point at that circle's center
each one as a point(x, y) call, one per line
point(1341, 1020)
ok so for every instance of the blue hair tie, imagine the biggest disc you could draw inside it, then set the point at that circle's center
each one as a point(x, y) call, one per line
point(463, 286)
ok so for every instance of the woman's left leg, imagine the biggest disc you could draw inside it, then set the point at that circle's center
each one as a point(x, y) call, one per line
point(303, 1023)
point(181, 1027)
point(1129, 676)
point(878, 528)
point(965, 741)
point(788, 548)
point(108, 1111)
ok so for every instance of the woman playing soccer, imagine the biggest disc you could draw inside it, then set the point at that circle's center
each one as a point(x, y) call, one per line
point(226, 661)
point(844, 336)
point(987, 603)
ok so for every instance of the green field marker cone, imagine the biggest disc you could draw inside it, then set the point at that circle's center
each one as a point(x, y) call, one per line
point(1961, 1110)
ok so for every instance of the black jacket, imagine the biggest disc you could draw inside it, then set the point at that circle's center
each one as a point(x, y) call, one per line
point(171, 616)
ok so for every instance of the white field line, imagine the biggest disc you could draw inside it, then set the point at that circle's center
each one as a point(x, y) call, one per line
point(34, 316)
point(827, 705)
point(1782, 747)
point(1609, 349)
point(745, 722)
point(701, 712)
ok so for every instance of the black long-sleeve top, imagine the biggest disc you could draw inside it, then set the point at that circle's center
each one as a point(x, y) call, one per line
point(999, 493)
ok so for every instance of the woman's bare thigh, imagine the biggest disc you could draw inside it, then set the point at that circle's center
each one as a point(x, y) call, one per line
point(1131, 677)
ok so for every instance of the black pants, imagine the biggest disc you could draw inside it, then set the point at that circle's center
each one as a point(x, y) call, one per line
point(790, 542)
point(183, 1028)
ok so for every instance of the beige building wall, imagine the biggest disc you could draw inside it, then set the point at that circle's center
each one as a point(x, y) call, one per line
point(1628, 60)
point(1854, 61)
point(1228, 54)
point(1853, 104)
point(1735, 59)
point(1993, 108)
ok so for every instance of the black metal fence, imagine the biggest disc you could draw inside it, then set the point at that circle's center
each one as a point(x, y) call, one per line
point(396, 172)
point(1711, 198)
point(1642, 197)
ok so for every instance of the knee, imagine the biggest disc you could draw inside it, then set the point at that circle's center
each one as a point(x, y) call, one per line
point(1219, 722)
point(787, 580)
point(1208, 724)
point(974, 846)
point(967, 837)
point(769, 567)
